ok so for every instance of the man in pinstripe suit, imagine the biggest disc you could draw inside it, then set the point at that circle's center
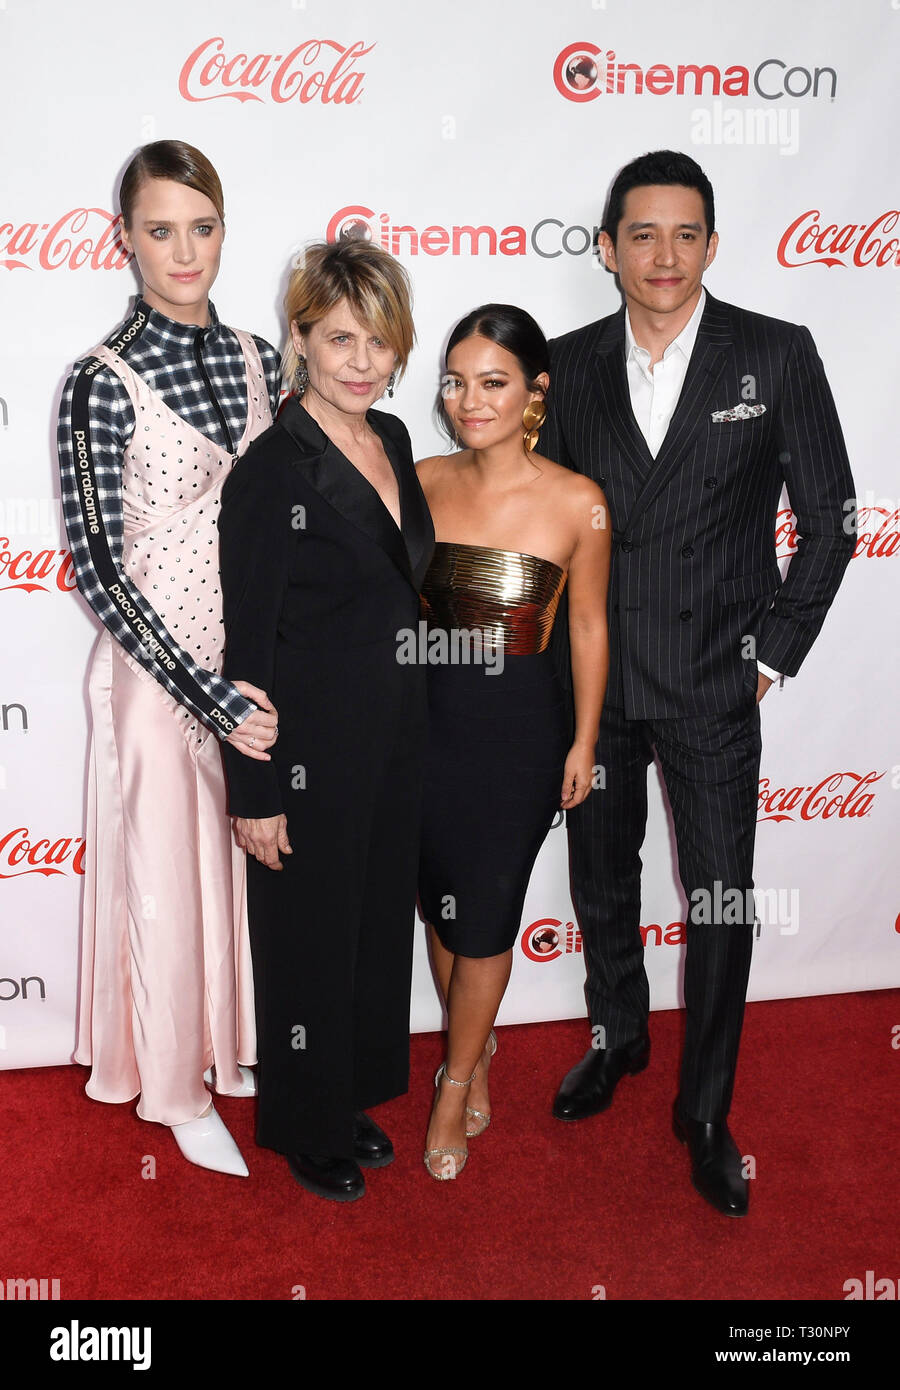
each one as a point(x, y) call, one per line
point(690, 414)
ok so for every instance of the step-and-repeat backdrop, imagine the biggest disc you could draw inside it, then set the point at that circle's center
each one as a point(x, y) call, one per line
point(477, 142)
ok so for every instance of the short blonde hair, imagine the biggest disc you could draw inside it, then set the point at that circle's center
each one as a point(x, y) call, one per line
point(374, 284)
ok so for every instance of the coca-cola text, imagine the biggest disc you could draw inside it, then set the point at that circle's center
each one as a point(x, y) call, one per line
point(54, 248)
point(20, 855)
point(315, 68)
point(878, 531)
point(26, 568)
point(806, 242)
point(842, 794)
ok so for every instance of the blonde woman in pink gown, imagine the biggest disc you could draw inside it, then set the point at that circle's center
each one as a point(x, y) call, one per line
point(150, 425)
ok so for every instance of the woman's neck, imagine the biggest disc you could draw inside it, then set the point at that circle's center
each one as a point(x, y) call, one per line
point(337, 424)
point(503, 465)
point(190, 315)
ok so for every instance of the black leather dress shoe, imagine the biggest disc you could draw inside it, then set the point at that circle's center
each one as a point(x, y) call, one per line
point(371, 1146)
point(589, 1086)
point(337, 1179)
point(715, 1163)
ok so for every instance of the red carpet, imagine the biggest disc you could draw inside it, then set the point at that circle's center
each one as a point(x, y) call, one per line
point(543, 1210)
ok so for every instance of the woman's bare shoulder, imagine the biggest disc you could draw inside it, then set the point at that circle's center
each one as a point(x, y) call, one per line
point(575, 487)
point(434, 469)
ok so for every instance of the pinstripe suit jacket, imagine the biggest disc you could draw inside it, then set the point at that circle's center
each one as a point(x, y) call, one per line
point(694, 570)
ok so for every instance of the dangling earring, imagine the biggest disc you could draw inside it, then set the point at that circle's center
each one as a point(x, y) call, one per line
point(533, 416)
point(390, 385)
point(301, 376)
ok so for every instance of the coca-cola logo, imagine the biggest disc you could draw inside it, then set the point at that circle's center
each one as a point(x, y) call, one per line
point(316, 68)
point(878, 532)
point(785, 533)
point(860, 244)
point(20, 855)
point(877, 538)
point(61, 246)
point(35, 571)
point(846, 795)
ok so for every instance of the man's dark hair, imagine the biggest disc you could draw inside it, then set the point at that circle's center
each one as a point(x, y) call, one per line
point(659, 166)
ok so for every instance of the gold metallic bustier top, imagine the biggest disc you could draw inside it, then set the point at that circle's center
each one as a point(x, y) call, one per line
point(512, 596)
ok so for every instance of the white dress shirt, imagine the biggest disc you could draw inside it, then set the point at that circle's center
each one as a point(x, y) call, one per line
point(654, 390)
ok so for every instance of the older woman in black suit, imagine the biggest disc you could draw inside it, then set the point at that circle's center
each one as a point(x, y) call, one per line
point(325, 537)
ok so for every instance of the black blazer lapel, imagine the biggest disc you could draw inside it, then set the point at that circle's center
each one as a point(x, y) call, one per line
point(711, 352)
point(415, 519)
point(611, 383)
point(343, 487)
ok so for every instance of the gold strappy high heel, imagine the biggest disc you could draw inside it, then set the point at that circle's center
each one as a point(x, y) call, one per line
point(481, 1114)
point(451, 1168)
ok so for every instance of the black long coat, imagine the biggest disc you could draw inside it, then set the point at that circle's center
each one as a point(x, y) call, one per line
point(318, 584)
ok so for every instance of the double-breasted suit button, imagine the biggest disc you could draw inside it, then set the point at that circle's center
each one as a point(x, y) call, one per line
point(601, 482)
point(687, 551)
point(685, 615)
point(709, 482)
point(626, 547)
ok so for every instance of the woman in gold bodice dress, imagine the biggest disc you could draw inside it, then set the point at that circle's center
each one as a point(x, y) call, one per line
point(512, 531)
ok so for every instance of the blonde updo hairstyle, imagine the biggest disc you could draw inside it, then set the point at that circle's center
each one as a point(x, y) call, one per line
point(374, 284)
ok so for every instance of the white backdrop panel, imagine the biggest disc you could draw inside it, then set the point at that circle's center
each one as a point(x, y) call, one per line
point(446, 118)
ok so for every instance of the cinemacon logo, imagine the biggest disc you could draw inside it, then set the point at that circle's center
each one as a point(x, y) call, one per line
point(320, 69)
point(548, 938)
point(582, 72)
point(549, 238)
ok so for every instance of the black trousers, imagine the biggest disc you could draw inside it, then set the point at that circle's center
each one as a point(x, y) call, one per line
point(332, 932)
point(710, 766)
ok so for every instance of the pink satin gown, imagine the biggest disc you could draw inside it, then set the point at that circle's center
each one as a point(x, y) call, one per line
point(166, 980)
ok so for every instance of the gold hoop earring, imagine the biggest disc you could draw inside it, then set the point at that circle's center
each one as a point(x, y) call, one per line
point(533, 416)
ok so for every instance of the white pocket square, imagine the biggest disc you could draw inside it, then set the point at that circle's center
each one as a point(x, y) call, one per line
point(738, 412)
